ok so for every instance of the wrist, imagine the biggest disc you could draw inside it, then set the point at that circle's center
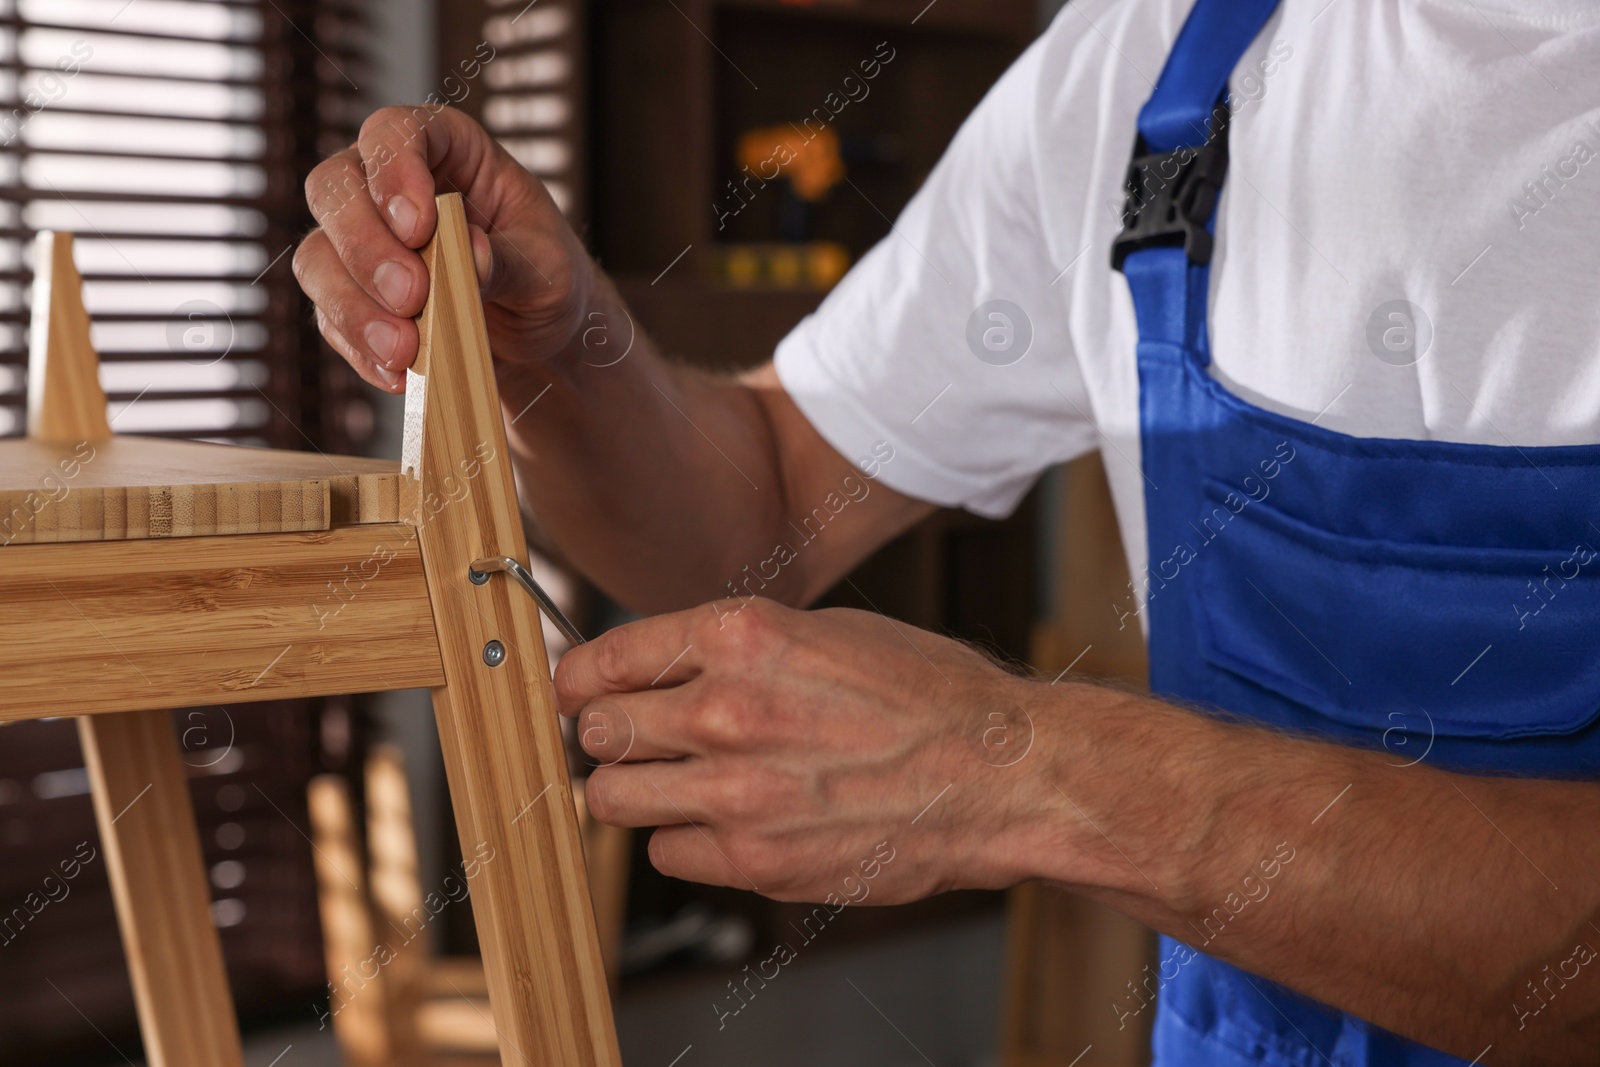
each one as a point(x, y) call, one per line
point(1023, 734)
point(603, 332)
point(1115, 804)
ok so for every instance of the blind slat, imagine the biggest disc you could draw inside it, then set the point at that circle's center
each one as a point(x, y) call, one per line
point(14, 22)
point(23, 194)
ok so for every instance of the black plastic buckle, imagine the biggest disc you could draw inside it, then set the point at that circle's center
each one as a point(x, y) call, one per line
point(1170, 197)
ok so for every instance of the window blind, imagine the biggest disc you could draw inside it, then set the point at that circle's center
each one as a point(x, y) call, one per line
point(533, 95)
point(172, 137)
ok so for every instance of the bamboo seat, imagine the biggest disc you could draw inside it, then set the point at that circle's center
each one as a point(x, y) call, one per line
point(137, 488)
point(141, 574)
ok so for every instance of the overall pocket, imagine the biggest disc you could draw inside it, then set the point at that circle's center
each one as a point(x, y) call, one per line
point(1488, 643)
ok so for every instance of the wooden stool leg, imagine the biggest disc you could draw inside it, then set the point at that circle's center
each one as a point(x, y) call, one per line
point(65, 401)
point(497, 723)
point(141, 796)
point(141, 802)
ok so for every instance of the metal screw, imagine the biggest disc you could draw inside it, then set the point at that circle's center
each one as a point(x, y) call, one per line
point(477, 577)
point(494, 653)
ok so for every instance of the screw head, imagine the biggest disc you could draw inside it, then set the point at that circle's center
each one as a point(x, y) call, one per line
point(477, 577)
point(494, 653)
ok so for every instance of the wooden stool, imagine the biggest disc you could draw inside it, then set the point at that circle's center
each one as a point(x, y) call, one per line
point(142, 574)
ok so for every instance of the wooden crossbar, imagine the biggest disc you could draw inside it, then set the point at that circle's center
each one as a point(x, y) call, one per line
point(126, 625)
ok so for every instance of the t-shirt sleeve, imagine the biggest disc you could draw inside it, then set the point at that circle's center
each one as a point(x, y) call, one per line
point(949, 340)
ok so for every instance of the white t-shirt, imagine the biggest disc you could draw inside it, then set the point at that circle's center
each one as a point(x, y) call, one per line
point(1444, 153)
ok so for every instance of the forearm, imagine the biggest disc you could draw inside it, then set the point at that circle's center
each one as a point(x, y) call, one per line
point(1420, 900)
point(657, 481)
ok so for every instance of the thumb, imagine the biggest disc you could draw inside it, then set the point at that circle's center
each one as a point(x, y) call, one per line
point(482, 253)
point(505, 273)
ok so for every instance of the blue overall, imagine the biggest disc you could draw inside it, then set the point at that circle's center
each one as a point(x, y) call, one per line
point(1432, 600)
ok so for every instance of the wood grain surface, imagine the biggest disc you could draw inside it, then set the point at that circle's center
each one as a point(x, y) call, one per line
point(133, 488)
point(121, 625)
point(498, 724)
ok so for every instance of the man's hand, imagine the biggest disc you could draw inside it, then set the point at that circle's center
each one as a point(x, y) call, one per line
point(621, 441)
point(374, 206)
point(803, 753)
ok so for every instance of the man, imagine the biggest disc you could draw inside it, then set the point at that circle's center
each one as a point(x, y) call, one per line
point(1350, 417)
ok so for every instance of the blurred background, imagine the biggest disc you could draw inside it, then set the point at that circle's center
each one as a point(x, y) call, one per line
point(173, 136)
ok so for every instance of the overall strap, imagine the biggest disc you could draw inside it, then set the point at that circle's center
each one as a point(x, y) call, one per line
point(1180, 159)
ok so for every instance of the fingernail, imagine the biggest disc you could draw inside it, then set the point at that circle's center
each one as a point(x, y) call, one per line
point(404, 214)
point(391, 378)
point(393, 283)
point(382, 340)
